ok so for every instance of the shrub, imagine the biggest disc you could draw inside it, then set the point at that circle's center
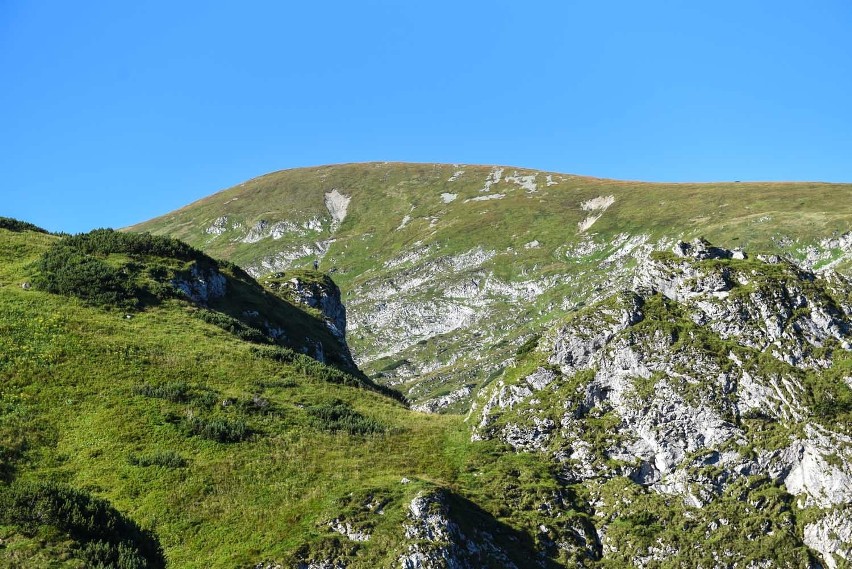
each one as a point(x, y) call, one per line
point(278, 354)
point(73, 274)
point(167, 459)
point(234, 326)
point(19, 226)
point(338, 416)
point(218, 429)
point(109, 242)
point(528, 346)
point(105, 536)
point(308, 366)
point(177, 392)
point(75, 266)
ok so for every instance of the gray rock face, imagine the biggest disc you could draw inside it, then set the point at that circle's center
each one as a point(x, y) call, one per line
point(700, 250)
point(202, 285)
point(323, 296)
point(320, 294)
point(434, 540)
point(688, 368)
point(831, 536)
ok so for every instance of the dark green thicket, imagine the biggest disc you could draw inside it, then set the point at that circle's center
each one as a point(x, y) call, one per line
point(19, 226)
point(218, 429)
point(338, 416)
point(78, 265)
point(528, 346)
point(177, 392)
point(81, 265)
point(109, 242)
point(106, 539)
point(67, 272)
point(234, 326)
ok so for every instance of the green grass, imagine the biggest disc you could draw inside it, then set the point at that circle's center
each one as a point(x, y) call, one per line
point(224, 451)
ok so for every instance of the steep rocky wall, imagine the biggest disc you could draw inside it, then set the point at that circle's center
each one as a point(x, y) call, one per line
point(713, 372)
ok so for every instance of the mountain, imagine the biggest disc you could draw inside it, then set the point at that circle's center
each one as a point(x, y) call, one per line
point(446, 270)
point(632, 393)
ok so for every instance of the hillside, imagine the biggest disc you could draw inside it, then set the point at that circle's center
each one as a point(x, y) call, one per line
point(699, 417)
point(446, 270)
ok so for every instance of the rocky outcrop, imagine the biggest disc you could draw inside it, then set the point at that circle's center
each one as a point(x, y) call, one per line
point(319, 293)
point(434, 540)
point(831, 536)
point(702, 376)
point(201, 285)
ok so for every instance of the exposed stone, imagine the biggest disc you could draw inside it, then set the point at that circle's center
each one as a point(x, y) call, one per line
point(202, 284)
point(831, 536)
point(679, 403)
point(434, 540)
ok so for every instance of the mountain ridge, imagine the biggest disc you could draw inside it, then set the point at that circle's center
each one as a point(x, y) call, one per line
point(442, 253)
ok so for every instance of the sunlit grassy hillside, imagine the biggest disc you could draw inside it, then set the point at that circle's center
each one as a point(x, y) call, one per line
point(221, 451)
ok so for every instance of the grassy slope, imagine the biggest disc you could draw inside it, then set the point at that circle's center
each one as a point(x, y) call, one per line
point(382, 194)
point(71, 411)
point(755, 216)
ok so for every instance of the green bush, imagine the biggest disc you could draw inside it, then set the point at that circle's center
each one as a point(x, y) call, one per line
point(308, 366)
point(528, 346)
point(167, 459)
point(278, 354)
point(338, 416)
point(77, 266)
point(218, 429)
point(106, 538)
point(70, 273)
point(234, 326)
point(109, 242)
point(177, 392)
point(19, 226)
point(180, 392)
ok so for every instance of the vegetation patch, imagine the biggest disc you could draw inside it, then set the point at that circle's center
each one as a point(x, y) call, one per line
point(528, 346)
point(103, 536)
point(219, 429)
point(19, 226)
point(166, 459)
point(178, 392)
point(234, 326)
point(102, 267)
point(302, 364)
point(338, 416)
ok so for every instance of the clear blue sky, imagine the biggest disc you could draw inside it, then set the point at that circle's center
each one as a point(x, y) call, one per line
point(114, 112)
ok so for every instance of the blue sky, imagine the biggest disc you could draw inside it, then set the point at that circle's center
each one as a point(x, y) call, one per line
point(115, 112)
